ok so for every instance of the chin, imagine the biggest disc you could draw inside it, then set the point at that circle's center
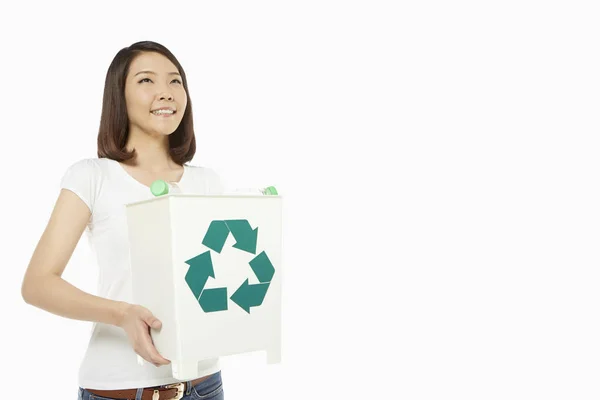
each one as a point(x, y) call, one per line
point(156, 133)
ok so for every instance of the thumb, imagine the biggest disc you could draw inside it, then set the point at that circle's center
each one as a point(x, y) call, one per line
point(153, 321)
point(156, 324)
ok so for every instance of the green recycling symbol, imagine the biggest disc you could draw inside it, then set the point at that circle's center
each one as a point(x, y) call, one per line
point(201, 267)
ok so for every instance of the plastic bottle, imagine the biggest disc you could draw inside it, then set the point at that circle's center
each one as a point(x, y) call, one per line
point(268, 191)
point(160, 188)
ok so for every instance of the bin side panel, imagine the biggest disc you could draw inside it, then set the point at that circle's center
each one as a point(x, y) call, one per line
point(149, 230)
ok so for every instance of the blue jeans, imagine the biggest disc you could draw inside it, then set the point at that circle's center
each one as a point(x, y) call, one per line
point(209, 389)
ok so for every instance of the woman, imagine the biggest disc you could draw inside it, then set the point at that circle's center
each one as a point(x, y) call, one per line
point(146, 133)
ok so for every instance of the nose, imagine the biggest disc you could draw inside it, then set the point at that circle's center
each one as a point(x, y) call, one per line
point(164, 92)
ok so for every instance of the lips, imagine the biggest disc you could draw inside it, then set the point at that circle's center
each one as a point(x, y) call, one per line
point(163, 115)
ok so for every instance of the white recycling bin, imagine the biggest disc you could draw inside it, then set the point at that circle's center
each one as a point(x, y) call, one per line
point(209, 267)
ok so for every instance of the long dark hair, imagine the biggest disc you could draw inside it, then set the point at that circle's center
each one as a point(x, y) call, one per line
point(114, 122)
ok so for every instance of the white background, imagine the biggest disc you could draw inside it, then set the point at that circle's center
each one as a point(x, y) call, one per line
point(439, 162)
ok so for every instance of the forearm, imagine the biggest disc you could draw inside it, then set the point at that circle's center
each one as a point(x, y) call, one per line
point(57, 296)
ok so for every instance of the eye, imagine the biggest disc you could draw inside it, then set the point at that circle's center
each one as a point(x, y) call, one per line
point(148, 79)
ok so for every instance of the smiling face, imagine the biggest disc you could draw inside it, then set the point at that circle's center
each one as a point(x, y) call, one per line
point(153, 83)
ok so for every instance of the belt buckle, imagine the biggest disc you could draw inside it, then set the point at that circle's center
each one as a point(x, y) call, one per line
point(180, 390)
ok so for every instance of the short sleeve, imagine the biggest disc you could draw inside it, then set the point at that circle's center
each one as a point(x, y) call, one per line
point(81, 178)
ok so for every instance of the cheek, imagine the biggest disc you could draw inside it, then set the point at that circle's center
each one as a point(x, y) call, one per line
point(140, 104)
point(183, 103)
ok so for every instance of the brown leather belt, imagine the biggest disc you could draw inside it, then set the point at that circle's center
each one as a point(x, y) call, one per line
point(174, 391)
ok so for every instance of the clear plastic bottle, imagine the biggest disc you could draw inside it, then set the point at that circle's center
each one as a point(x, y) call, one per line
point(267, 191)
point(160, 188)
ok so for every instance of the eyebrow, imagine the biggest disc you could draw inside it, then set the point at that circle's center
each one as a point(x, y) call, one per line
point(152, 72)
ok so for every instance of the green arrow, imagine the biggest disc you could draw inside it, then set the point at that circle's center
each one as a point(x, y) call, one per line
point(214, 299)
point(247, 296)
point(200, 269)
point(262, 267)
point(216, 236)
point(245, 236)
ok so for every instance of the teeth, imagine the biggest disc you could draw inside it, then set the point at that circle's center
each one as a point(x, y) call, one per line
point(162, 112)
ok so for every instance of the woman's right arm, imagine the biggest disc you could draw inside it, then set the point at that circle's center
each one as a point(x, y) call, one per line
point(44, 287)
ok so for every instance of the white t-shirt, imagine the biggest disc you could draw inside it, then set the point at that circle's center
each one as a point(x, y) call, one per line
point(103, 184)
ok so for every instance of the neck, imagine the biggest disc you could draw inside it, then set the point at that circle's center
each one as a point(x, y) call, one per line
point(152, 151)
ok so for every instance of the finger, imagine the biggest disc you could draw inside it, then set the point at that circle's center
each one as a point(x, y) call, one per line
point(144, 354)
point(144, 350)
point(147, 355)
point(150, 349)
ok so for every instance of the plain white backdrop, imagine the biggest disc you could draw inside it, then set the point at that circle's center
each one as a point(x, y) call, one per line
point(439, 166)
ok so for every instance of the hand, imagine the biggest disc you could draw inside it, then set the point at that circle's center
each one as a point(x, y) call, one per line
point(136, 321)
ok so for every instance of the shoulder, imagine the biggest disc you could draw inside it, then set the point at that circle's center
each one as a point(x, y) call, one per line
point(91, 169)
point(89, 166)
point(202, 171)
point(85, 168)
point(205, 176)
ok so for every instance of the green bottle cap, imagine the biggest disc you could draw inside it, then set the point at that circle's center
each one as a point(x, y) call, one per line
point(271, 191)
point(159, 187)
